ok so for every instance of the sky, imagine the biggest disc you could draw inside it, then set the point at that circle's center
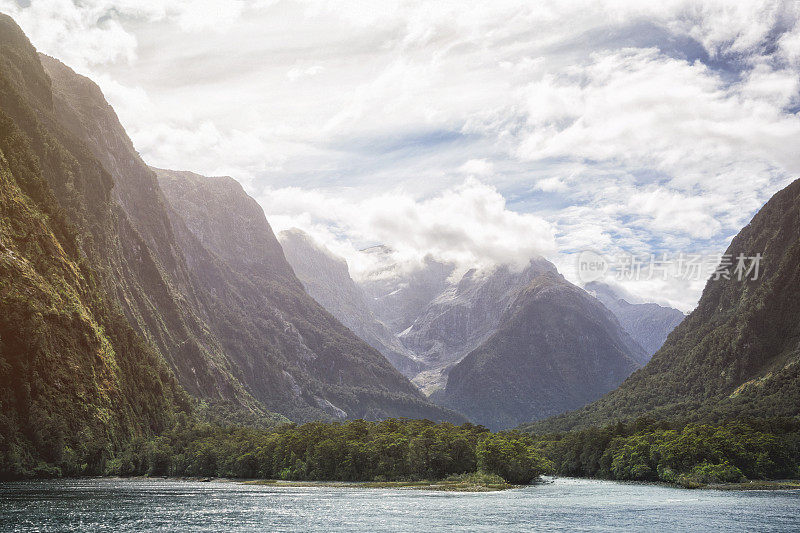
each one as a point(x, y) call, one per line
point(481, 133)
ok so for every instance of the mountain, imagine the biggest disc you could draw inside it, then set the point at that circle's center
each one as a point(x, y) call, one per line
point(557, 348)
point(213, 291)
point(397, 297)
point(76, 380)
point(327, 279)
point(142, 267)
point(113, 307)
point(463, 316)
point(292, 355)
point(738, 353)
point(648, 323)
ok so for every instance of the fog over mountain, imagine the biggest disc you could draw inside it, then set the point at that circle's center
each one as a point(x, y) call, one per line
point(485, 134)
point(527, 322)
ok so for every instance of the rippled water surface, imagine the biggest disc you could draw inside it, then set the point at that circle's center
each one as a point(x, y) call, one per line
point(566, 504)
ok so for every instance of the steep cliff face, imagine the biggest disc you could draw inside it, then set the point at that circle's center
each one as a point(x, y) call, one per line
point(75, 380)
point(397, 298)
point(142, 267)
point(462, 317)
point(648, 323)
point(738, 353)
point(557, 348)
point(327, 279)
point(293, 355)
point(213, 296)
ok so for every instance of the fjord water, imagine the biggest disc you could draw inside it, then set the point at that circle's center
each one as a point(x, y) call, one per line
point(566, 504)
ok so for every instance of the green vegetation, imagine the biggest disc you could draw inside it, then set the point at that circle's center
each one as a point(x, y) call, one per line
point(387, 451)
point(470, 482)
point(76, 382)
point(691, 455)
point(736, 354)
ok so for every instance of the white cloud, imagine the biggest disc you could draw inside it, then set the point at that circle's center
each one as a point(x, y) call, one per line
point(639, 108)
point(468, 225)
point(552, 184)
point(297, 72)
point(625, 124)
point(477, 167)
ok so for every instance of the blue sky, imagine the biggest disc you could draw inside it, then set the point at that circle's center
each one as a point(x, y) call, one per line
point(478, 133)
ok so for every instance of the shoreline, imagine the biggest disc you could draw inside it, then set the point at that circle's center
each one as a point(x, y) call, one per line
point(458, 485)
point(444, 485)
point(754, 484)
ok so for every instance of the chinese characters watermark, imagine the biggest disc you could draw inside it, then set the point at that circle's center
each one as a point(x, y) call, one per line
point(593, 266)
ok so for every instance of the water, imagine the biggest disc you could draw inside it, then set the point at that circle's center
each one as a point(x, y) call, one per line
point(566, 504)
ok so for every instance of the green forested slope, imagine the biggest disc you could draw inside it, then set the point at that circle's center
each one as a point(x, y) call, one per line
point(238, 337)
point(738, 353)
point(76, 382)
point(142, 266)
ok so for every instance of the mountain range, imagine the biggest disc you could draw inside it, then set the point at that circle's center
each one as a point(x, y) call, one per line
point(118, 299)
point(737, 354)
point(501, 345)
point(133, 297)
point(648, 323)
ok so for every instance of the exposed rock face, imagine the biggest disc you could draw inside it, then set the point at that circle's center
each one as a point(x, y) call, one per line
point(292, 354)
point(648, 323)
point(398, 298)
point(143, 267)
point(463, 316)
point(557, 348)
point(327, 279)
point(738, 353)
point(537, 344)
point(203, 279)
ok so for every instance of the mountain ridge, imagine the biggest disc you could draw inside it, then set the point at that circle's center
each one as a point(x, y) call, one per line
point(648, 323)
point(557, 348)
point(76, 381)
point(738, 353)
point(326, 278)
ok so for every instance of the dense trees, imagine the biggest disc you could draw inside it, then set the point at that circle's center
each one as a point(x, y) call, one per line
point(411, 450)
point(512, 457)
point(406, 450)
point(391, 450)
point(688, 455)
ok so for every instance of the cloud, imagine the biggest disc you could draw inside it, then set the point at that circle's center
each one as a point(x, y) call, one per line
point(468, 225)
point(297, 72)
point(626, 125)
point(552, 184)
point(639, 108)
point(477, 167)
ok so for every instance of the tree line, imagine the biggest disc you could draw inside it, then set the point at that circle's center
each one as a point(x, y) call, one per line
point(412, 450)
point(684, 454)
point(389, 450)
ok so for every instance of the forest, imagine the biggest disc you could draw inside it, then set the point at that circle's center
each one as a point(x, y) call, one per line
point(390, 450)
point(688, 455)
